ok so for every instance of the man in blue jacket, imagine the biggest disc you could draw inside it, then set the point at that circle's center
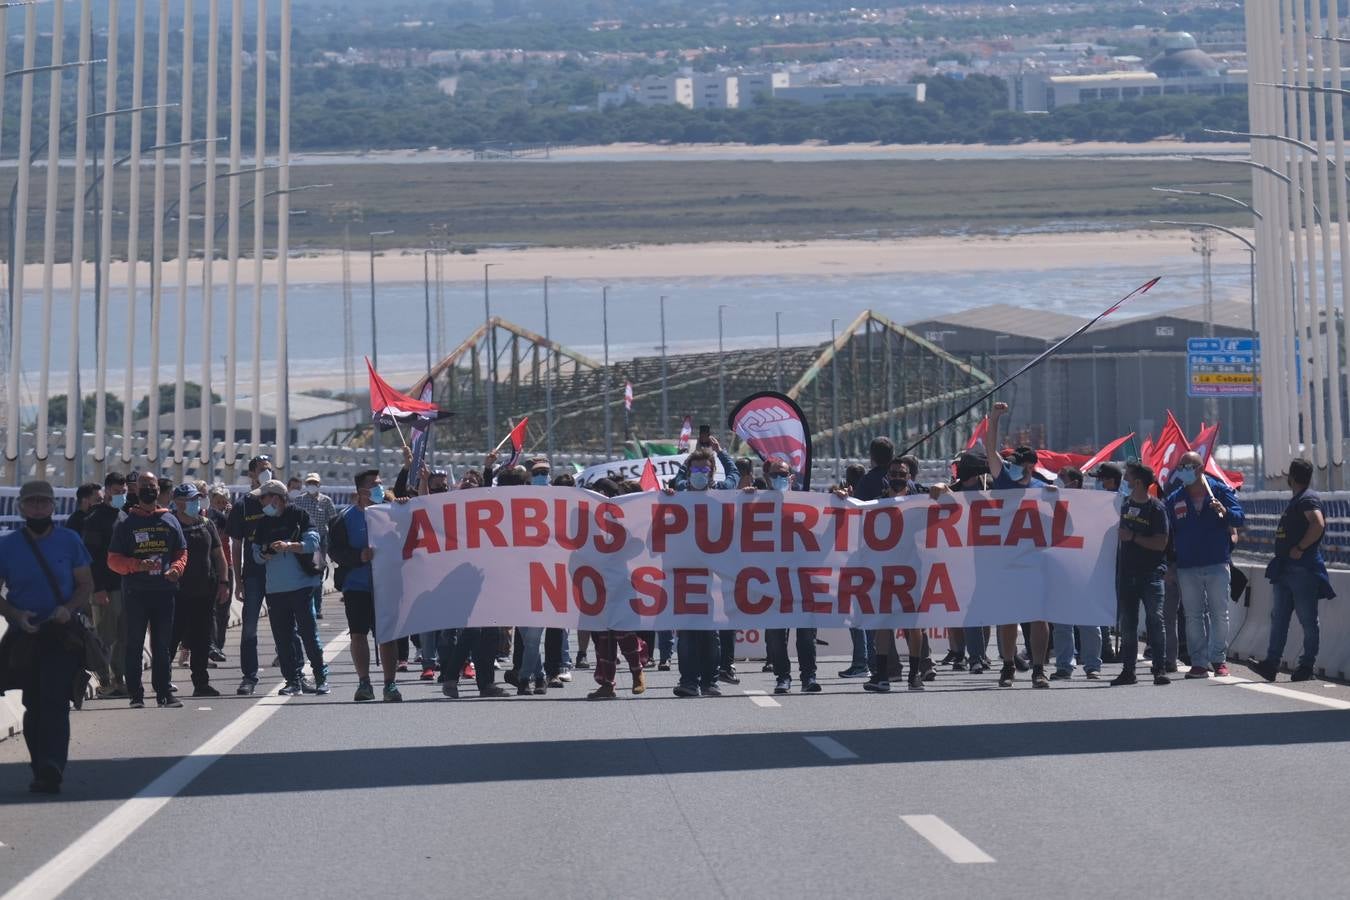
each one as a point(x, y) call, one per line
point(1202, 515)
point(284, 544)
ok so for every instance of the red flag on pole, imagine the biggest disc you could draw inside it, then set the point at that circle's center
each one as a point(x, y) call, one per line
point(517, 441)
point(628, 396)
point(1105, 454)
point(1171, 446)
point(649, 480)
point(686, 434)
point(978, 435)
point(1204, 444)
point(388, 406)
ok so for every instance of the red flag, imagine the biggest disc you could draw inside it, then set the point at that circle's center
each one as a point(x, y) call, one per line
point(388, 406)
point(1171, 446)
point(1105, 454)
point(648, 480)
point(978, 435)
point(628, 396)
point(517, 441)
point(686, 434)
point(1204, 441)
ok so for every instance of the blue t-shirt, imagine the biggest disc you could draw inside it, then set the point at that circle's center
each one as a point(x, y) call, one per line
point(1004, 483)
point(360, 578)
point(25, 583)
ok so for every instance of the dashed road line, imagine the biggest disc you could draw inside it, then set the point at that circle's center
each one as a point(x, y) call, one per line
point(950, 842)
point(759, 698)
point(829, 746)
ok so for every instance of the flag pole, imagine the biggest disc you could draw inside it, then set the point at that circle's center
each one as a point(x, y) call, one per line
point(400, 435)
point(502, 442)
point(1050, 351)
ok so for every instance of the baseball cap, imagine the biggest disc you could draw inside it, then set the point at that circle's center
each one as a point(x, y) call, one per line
point(186, 491)
point(314, 477)
point(273, 488)
point(540, 463)
point(1107, 470)
point(32, 489)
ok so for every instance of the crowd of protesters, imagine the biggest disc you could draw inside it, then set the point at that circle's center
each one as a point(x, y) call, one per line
point(144, 555)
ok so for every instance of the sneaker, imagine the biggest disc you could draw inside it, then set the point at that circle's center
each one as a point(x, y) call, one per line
point(1161, 679)
point(916, 684)
point(783, 686)
point(877, 686)
point(321, 687)
point(511, 677)
point(539, 686)
point(137, 703)
point(1171, 668)
point(1038, 678)
point(977, 668)
point(1092, 675)
point(603, 692)
point(565, 676)
point(290, 689)
point(1126, 677)
point(1303, 673)
point(639, 682)
point(169, 702)
point(429, 673)
point(663, 666)
point(501, 663)
point(469, 671)
point(217, 656)
point(959, 665)
point(929, 675)
point(649, 664)
point(1221, 670)
point(682, 691)
point(810, 686)
point(246, 687)
point(855, 672)
point(493, 691)
point(1008, 675)
point(767, 667)
point(364, 692)
point(402, 665)
point(1267, 670)
point(950, 658)
point(1061, 675)
point(308, 686)
point(173, 688)
point(205, 690)
point(44, 786)
point(581, 662)
point(555, 683)
point(524, 690)
point(1197, 672)
point(712, 691)
point(392, 694)
point(1022, 662)
point(727, 676)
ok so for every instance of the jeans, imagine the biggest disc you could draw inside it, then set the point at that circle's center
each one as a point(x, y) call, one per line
point(255, 588)
point(110, 623)
point(480, 643)
point(288, 613)
point(192, 623)
point(1171, 620)
point(46, 704)
point(977, 644)
point(554, 638)
point(152, 609)
point(726, 640)
point(1133, 590)
point(429, 642)
point(1089, 647)
point(1204, 592)
point(1295, 593)
point(776, 643)
point(531, 665)
point(219, 625)
point(665, 644)
point(699, 652)
point(565, 648)
point(862, 648)
point(316, 600)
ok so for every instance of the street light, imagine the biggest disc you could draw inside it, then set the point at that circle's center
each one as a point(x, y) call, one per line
point(778, 351)
point(1096, 405)
point(490, 370)
point(604, 333)
point(1242, 203)
point(548, 378)
point(665, 405)
point(834, 395)
point(721, 371)
point(374, 333)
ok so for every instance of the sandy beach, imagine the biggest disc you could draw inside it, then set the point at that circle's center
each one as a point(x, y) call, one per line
point(1028, 252)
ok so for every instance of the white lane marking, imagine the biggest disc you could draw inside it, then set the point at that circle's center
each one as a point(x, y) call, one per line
point(71, 864)
point(1265, 687)
point(759, 698)
point(203, 709)
point(827, 745)
point(952, 844)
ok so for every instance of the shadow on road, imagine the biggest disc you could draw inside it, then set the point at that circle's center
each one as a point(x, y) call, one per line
point(609, 756)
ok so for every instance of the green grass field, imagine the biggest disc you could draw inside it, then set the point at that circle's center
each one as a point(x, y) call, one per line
point(607, 203)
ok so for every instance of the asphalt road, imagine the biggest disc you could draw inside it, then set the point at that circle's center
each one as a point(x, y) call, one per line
point(965, 790)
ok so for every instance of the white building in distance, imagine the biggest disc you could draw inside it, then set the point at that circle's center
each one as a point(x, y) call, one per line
point(696, 90)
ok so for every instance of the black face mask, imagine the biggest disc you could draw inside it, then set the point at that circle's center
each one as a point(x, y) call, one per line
point(898, 484)
point(147, 495)
point(441, 489)
point(39, 526)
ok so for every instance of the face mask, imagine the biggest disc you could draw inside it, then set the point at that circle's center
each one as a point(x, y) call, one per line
point(1015, 472)
point(897, 485)
point(294, 495)
point(779, 482)
point(194, 509)
point(1186, 476)
point(118, 501)
point(270, 510)
point(539, 480)
point(39, 526)
point(698, 480)
point(264, 476)
point(311, 489)
point(441, 489)
point(147, 495)
point(377, 494)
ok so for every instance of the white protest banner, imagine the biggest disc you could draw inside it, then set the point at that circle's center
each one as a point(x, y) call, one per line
point(566, 557)
point(631, 469)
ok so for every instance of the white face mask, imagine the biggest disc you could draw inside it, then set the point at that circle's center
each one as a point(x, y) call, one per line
point(311, 489)
point(294, 495)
